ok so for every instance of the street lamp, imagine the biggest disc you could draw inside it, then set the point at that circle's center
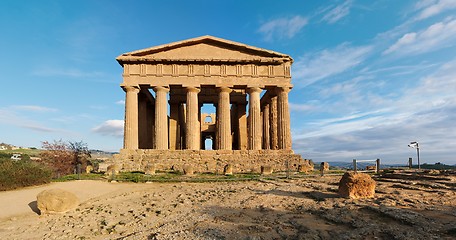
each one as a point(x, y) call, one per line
point(417, 146)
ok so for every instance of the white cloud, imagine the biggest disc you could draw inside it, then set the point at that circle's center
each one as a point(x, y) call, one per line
point(39, 128)
point(282, 27)
point(10, 117)
point(110, 128)
point(436, 36)
point(425, 113)
point(319, 65)
point(387, 137)
point(434, 7)
point(121, 102)
point(434, 90)
point(337, 13)
point(33, 108)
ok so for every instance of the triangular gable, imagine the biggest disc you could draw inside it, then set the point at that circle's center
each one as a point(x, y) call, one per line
point(205, 48)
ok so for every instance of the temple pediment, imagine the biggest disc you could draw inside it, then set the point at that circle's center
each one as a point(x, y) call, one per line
point(205, 48)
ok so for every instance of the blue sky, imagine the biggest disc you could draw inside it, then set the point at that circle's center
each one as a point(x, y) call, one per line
point(369, 76)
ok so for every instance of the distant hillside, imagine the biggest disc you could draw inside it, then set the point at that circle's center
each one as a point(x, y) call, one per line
point(437, 166)
point(362, 165)
point(101, 154)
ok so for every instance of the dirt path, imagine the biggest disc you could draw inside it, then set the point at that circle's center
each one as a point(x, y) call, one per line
point(405, 207)
point(19, 202)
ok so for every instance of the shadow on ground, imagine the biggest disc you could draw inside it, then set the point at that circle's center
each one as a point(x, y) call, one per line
point(34, 206)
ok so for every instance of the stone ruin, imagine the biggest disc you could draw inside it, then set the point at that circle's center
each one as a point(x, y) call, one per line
point(166, 87)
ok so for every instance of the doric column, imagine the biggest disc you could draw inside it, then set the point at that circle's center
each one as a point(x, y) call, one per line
point(273, 121)
point(283, 118)
point(223, 126)
point(192, 123)
point(266, 127)
point(131, 118)
point(254, 119)
point(161, 118)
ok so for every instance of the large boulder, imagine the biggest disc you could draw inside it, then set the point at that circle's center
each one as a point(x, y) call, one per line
point(56, 201)
point(356, 186)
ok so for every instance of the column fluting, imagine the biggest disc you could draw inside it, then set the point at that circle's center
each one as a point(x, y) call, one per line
point(161, 118)
point(224, 120)
point(283, 118)
point(192, 123)
point(254, 119)
point(131, 139)
point(273, 122)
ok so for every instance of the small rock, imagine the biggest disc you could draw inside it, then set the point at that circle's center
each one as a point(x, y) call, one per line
point(266, 170)
point(89, 169)
point(188, 169)
point(324, 166)
point(228, 169)
point(113, 169)
point(306, 166)
point(149, 169)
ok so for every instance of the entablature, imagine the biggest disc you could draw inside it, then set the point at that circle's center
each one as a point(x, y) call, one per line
point(209, 70)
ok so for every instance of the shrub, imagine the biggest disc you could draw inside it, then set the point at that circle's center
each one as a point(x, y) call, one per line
point(5, 155)
point(63, 157)
point(23, 173)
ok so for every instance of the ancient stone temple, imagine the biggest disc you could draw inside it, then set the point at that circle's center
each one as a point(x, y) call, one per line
point(166, 86)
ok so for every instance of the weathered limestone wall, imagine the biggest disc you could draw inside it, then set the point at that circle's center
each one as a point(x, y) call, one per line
point(208, 160)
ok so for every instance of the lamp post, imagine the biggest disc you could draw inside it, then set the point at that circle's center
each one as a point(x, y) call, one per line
point(417, 146)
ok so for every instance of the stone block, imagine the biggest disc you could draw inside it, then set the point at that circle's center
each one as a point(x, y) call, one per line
point(56, 201)
point(371, 168)
point(188, 170)
point(305, 168)
point(89, 169)
point(356, 186)
point(324, 166)
point(228, 169)
point(266, 170)
point(114, 168)
point(149, 169)
point(103, 167)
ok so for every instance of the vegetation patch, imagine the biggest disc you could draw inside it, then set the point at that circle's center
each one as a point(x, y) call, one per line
point(22, 173)
point(83, 176)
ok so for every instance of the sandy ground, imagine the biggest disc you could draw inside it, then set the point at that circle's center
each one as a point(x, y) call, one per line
point(406, 206)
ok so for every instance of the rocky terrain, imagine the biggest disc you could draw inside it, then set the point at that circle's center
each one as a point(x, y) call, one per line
point(407, 205)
